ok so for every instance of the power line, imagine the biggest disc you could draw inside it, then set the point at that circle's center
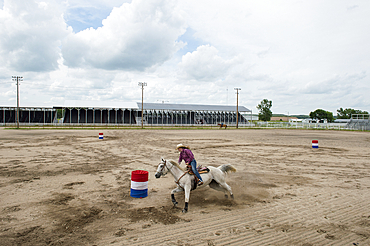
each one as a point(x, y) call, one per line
point(5, 83)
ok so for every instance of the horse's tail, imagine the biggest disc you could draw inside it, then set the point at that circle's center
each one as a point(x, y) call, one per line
point(227, 168)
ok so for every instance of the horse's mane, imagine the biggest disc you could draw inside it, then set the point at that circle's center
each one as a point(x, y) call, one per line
point(176, 164)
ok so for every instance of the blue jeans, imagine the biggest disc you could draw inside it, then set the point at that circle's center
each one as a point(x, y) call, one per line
point(193, 164)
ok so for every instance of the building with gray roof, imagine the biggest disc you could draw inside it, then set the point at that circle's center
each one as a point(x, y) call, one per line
point(128, 113)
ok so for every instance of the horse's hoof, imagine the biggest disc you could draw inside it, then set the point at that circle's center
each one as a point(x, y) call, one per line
point(175, 203)
point(232, 196)
point(184, 210)
point(226, 196)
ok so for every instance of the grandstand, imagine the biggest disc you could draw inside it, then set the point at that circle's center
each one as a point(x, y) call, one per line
point(102, 113)
point(359, 122)
point(155, 114)
point(28, 115)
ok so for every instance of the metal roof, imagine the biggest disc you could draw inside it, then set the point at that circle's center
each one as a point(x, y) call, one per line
point(98, 104)
point(152, 106)
point(137, 105)
point(192, 107)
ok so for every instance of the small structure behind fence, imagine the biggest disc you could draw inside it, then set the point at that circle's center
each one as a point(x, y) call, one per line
point(359, 122)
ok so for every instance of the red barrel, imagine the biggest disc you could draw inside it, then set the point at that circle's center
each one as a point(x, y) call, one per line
point(315, 144)
point(139, 183)
point(139, 175)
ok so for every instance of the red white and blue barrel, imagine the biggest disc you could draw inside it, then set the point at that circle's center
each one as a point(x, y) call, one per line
point(101, 135)
point(139, 183)
point(315, 144)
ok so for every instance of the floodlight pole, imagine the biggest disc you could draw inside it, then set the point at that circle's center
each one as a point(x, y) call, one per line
point(142, 84)
point(237, 105)
point(17, 78)
point(288, 116)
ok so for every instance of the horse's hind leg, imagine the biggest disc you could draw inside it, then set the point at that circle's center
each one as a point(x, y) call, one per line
point(216, 186)
point(219, 178)
point(228, 188)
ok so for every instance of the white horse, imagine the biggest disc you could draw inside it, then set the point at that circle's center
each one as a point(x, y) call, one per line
point(215, 178)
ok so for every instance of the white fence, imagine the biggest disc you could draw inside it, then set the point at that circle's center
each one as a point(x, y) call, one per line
point(300, 125)
point(258, 124)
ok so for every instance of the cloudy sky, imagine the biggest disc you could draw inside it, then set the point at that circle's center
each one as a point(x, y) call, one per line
point(300, 54)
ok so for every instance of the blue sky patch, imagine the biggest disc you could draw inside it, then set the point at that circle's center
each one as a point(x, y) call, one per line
point(192, 42)
point(82, 18)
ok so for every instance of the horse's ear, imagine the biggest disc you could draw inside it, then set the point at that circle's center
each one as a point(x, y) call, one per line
point(162, 159)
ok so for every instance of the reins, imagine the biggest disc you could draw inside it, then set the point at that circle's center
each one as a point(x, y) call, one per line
point(178, 181)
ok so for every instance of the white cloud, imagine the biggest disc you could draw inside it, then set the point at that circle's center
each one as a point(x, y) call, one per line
point(337, 84)
point(30, 35)
point(134, 36)
point(205, 64)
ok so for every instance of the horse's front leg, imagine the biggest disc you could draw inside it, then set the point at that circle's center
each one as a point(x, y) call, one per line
point(178, 189)
point(187, 196)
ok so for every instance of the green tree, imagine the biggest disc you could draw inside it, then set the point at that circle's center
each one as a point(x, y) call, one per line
point(265, 110)
point(321, 114)
point(59, 113)
point(348, 112)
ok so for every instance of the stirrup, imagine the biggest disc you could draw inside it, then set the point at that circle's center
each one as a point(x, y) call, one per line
point(200, 183)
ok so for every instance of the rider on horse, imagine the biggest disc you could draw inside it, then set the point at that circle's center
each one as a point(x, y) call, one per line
point(188, 157)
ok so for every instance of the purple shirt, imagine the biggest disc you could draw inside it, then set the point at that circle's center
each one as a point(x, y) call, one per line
point(186, 155)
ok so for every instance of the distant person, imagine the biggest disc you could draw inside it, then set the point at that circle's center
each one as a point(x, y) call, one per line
point(188, 157)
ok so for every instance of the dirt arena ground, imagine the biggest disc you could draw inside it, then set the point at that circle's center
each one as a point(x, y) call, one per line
point(67, 187)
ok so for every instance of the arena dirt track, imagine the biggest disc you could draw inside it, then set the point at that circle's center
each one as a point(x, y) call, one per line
point(67, 187)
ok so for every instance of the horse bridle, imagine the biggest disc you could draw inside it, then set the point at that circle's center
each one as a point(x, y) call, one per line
point(165, 165)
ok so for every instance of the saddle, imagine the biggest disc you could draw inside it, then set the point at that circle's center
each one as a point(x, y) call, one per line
point(200, 171)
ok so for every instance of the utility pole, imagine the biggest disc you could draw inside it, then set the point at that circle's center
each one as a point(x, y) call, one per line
point(227, 95)
point(17, 78)
point(142, 84)
point(237, 105)
point(288, 116)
